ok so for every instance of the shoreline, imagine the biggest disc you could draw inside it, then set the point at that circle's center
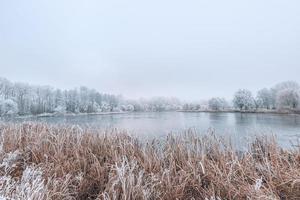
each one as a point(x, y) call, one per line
point(243, 112)
point(45, 115)
point(66, 114)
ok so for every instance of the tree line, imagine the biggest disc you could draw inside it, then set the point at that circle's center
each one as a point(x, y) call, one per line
point(283, 96)
point(25, 99)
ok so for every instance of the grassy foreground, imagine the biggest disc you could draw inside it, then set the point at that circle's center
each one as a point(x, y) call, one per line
point(40, 161)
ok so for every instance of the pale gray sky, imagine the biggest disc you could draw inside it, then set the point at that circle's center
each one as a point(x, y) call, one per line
point(189, 49)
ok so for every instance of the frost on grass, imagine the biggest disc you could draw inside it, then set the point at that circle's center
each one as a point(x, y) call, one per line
point(16, 183)
point(81, 164)
point(11, 162)
point(130, 182)
point(258, 184)
point(31, 185)
point(213, 198)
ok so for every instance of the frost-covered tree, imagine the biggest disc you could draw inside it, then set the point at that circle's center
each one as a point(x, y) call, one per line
point(8, 107)
point(23, 97)
point(265, 99)
point(159, 104)
point(105, 107)
point(59, 102)
point(44, 99)
point(130, 108)
point(6, 88)
point(243, 100)
point(286, 94)
point(288, 98)
point(217, 103)
point(127, 108)
point(291, 85)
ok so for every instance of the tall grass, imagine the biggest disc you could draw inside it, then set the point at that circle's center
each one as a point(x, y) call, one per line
point(40, 161)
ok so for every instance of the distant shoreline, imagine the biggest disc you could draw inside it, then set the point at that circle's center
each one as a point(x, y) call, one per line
point(250, 111)
point(45, 115)
point(66, 114)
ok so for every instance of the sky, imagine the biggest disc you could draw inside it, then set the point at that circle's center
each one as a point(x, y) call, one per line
point(193, 49)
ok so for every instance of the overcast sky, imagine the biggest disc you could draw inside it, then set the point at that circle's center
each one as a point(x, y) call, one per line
point(189, 49)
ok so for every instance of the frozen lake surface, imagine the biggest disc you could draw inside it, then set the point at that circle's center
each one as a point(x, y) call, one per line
point(159, 124)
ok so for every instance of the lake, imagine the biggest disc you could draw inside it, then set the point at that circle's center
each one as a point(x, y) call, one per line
point(239, 126)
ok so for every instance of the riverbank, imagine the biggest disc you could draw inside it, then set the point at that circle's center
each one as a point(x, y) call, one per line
point(40, 161)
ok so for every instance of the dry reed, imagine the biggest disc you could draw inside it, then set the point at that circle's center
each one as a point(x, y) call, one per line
point(40, 161)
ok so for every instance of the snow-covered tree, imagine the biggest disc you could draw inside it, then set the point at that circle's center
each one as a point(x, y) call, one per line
point(243, 100)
